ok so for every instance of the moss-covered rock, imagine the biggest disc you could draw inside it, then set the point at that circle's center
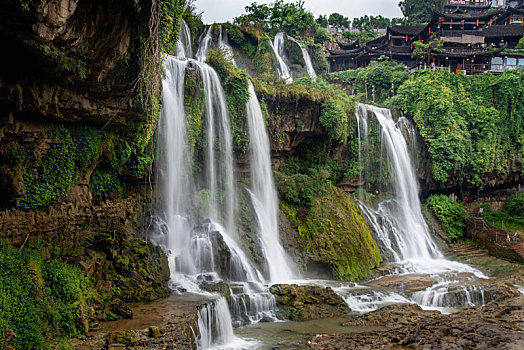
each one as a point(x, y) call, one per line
point(334, 231)
point(300, 303)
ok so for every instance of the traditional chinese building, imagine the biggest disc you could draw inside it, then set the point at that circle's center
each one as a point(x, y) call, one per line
point(476, 38)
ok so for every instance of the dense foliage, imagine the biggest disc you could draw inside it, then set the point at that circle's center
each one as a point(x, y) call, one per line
point(385, 76)
point(334, 117)
point(450, 213)
point(291, 18)
point(514, 205)
point(46, 180)
point(39, 301)
point(308, 173)
point(418, 12)
point(473, 125)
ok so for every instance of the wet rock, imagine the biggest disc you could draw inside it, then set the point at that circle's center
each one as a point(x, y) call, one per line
point(221, 288)
point(404, 283)
point(300, 303)
point(126, 337)
point(392, 316)
point(494, 326)
point(118, 307)
point(156, 331)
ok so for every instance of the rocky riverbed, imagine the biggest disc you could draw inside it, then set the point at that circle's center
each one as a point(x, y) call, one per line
point(494, 326)
point(321, 320)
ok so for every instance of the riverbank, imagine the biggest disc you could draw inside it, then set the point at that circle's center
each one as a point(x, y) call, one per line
point(170, 322)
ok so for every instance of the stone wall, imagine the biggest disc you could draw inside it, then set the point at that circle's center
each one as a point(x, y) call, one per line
point(493, 240)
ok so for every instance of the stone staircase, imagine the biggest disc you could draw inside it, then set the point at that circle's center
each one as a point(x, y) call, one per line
point(495, 240)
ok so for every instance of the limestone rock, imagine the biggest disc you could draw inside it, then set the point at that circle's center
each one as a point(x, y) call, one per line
point(308, 302)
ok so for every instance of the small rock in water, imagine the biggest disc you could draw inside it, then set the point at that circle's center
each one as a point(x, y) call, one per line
point(156, 331)
point(126, 337)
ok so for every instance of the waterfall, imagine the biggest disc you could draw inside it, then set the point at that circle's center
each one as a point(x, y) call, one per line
point(398, 222)
point(263, 191)
point(264, 194)
point(224, 44)
point(278, 50)
point(307, 58)
point(216, 330)
point(183, 44)
point(203, 47)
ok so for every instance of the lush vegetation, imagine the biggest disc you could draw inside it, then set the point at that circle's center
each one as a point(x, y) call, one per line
point(308, 174)
point(450, 213)
point(291, 18)
point(40, 301)
point(73, 150)
point(473, 125)
point(418, 12)
point(236, 87)
point(386, 77)
point(334, 231)
point(335, 115)
point(511, 217)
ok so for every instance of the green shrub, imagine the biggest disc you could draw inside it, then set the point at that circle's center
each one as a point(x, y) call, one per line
point(450, 213)
point(39, 300)
point(514, 205)
point(321, 36)
point(472, 125)
point(334, 117)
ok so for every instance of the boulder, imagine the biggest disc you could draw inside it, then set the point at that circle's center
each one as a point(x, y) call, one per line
point(299, 303)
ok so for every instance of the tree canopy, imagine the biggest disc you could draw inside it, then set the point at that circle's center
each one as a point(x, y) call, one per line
point(291, 18)
point(417, 11)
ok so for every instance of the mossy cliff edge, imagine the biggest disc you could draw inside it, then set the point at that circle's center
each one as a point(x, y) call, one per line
point(79, 102)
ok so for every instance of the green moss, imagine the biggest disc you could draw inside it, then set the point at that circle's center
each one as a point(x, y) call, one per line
point(73, 150)
point(195, 105)
point(236, 87)
point(39, 300)
point(265, 60)
point(105, 185)
point(334, 231)
point(335, 117)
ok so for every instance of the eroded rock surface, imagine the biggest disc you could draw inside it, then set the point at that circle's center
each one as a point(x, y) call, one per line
point(300, 303)
point(494, 326)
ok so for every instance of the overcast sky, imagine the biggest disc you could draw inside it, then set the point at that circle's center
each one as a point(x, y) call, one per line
point(225, 10)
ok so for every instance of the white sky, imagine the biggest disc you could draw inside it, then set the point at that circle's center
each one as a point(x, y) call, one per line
point(224, 10)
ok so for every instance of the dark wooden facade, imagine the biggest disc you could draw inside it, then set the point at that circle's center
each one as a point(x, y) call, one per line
point(474, 38)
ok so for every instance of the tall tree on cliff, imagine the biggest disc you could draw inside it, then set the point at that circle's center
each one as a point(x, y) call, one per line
point(417, 11)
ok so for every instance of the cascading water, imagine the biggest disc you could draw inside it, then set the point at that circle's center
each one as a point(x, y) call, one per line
point(278, 49)
point(307, 58)
point(224, 44)
point(203, 47)
point(398, 221)
point(263, 192)
point(193, 244)
point(183, 44)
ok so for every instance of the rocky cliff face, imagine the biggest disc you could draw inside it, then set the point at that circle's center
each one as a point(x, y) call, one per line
point(68, 60)
point(70, 127)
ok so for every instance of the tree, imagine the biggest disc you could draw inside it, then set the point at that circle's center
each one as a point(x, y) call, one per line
point(291, 18)
point(423, 51)
point(520, 44)
point(417, 11)
point(322, 21)
point(338, 21)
